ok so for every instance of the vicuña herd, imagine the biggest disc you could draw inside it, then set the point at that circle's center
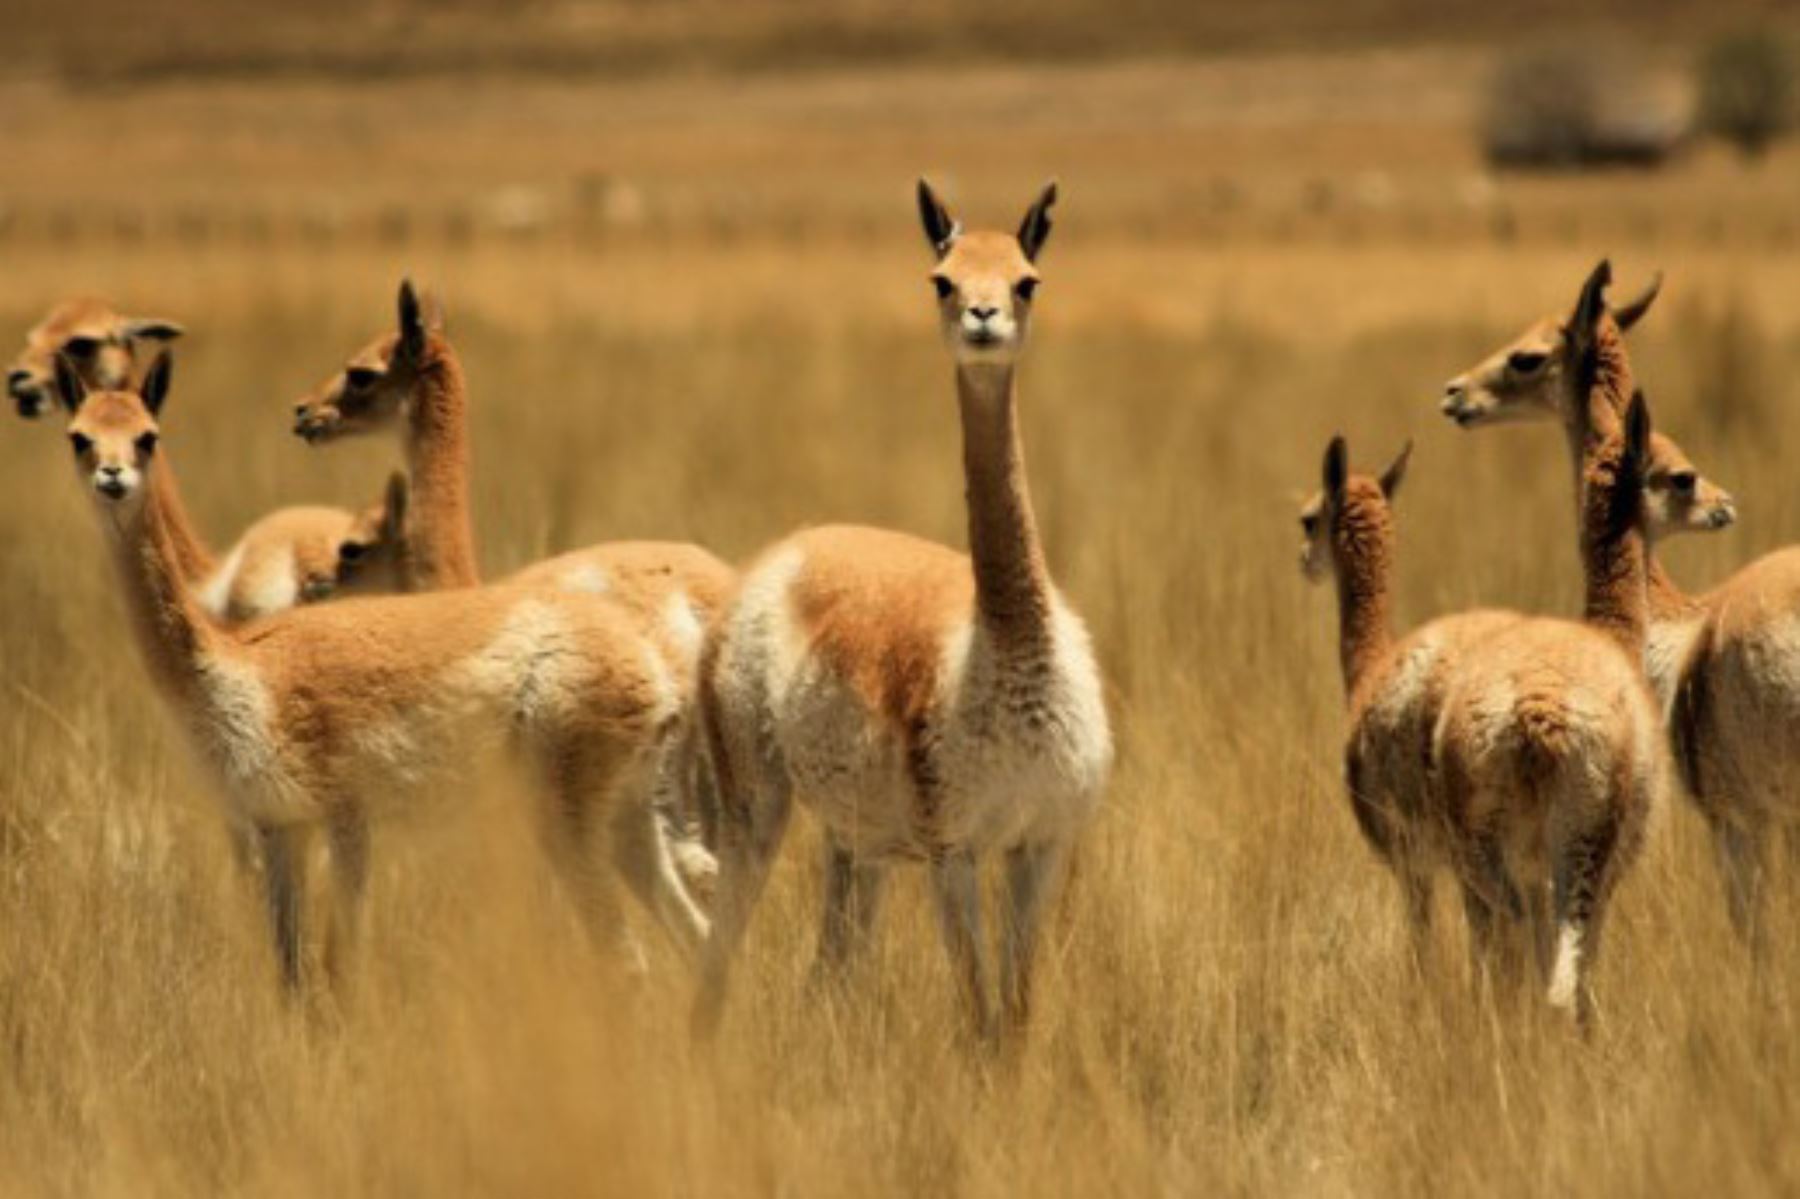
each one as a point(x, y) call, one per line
point(927, 705)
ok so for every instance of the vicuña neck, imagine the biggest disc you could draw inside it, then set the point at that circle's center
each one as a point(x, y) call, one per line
point(1599, 410)
point(1615, 561)
point(1363, 564)
point(1012, 582)
point(440, 535)
point(173, 633)
point(193, 558)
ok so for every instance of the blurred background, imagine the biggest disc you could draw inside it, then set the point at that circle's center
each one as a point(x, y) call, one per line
point(678, 251)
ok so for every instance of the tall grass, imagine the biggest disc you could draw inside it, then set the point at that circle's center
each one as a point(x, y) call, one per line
point(1227, 1005)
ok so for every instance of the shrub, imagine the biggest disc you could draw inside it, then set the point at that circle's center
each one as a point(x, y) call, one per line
point(1746, 91)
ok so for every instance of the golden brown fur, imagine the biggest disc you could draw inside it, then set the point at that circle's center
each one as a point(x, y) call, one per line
point(321, 718)
point(1521, 753)
point(927, 705)
point(1726, 664)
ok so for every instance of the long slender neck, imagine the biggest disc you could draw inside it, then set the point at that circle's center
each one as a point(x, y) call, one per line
point(441, 533)
point(1362, 554)
point(1617, 601)
point(1012, 582)
point(1599, 404)
point(193, 557)
point(173, 633)
point(1615, 555)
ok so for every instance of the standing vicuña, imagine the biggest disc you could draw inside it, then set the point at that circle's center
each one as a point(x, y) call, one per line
point(412, 379)
point(1725, 664)
point(1542, 760)
point(927, 705)
point(324, 716)
point(293, 555)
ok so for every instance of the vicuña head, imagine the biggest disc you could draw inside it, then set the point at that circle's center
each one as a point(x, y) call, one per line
point(1678, 498)
point(1348, 519)
point(102, 345)
point(372, 557)
point(371, 391)
point(114, 433)
point(1539, 376)
point(985, 281)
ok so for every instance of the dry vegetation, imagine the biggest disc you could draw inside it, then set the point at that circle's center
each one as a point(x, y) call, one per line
point(1251, 255)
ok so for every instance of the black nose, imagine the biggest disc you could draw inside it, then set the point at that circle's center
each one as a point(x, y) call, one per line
point(983, 314)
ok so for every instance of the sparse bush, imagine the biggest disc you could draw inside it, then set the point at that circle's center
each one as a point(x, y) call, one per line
point(1564, 108)
point(1746, 85)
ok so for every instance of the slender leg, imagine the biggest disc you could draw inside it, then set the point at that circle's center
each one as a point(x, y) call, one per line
point(956, 885)
point(1579, 902)
point(853, 893)
point(747, 846)
point(1496, 913)
point(348, 830)
point(1034, 874)
point(642, 856)
point(284, 866)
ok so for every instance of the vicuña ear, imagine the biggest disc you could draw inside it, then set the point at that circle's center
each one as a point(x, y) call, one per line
point(1034, 230)
point(940, 229)
point(433, 310)
point(69, 387)
point(1589, 306)
point(153, 329)
point(412, 323)
point(1395, 474)
point(393, 515)
point(1337, 468)
point(1629, 313)
point(156, 383)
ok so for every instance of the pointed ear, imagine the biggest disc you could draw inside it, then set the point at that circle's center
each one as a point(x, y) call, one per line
point(1590, 305)
point(156, 382)
point(1034, 230)
point(432, 310)
point(1395, 474)
point(940, 230)
point(412, 323)
point(393, 507)
point(152, 329)
point(69, 387)
point(1629, 313)
point(1337, 468)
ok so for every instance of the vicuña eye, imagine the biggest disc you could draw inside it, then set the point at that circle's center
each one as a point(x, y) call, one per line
point(361, 376)
point(1026, 288)
point(146, 443)
point(945, 288)
point(1525, 361)
point(1310, 523)
point(1684, 481)
point(81, 442)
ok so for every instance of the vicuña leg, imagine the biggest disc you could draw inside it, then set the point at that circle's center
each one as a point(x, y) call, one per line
point(283, 850)
point(347, 832)
point(1581, 881)
point(853, 892)
point(956, 885)
point(1034, 875)
point(755, 801)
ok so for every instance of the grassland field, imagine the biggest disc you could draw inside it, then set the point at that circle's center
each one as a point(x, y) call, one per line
point(694, 306)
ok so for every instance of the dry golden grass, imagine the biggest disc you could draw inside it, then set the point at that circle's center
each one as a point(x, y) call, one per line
point(1226, 1001)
